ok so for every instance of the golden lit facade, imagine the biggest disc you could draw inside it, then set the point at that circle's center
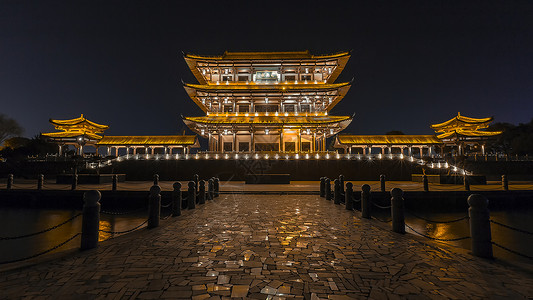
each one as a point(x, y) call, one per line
point(267, 101)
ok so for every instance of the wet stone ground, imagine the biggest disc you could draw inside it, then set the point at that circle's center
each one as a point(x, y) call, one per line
point(267, 247)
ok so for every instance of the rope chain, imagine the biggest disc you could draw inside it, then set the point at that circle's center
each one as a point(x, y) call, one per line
point(440, 222)
point(125, 231)
point(166, 205)
point(355, 200)
point(41, 253)
point(512, 251)
point(437, 239)
point(122, 213)
point(512, 228)
point(382, 220)
point(40, 232)
point(379, 206)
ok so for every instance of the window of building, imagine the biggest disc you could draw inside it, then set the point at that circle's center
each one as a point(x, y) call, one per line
point(306, 146)
point(266, 76)
point(243, 78)
point(227, 78)
point(289, 108)
point(266, 108)
point(266, 147)
point(290, 146)
point(306, 77)
point(305, 107)
point(290, 77)
point(228, 146)
point(244, 146)
point(228, 108)
point(244, 108)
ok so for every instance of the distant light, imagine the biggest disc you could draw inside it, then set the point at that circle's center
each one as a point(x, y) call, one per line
point(267, 131)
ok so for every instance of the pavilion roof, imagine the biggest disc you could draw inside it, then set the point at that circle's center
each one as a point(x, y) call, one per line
point(462, 122)
point(285, 55)
point(71, 134)
point(388, 139)
point(268, 120)
point(468, 133)
point(182, 140)
point(80, 122)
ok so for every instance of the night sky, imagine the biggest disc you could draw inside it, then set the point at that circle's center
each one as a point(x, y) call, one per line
point(120, 62)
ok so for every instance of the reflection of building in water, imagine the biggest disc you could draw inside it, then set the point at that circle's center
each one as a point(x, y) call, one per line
point(267, 101)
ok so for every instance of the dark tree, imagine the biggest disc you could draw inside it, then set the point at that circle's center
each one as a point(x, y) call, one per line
point(8, 128)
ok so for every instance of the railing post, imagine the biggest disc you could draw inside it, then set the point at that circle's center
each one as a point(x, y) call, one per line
point(90, 224)
point(156, 179)
point(9, 182)
point(154, 206)
point(466, 183)
point(336, 191)
point(191, 195)
point(40, 182)
point(176, 199)
point(480, 226)
point(397, 210)
point(114, 182)
point(196, 179)
point(382, 182)
point(348, 196)
point(322, 186)
point(201, 193)
point(505, 183)
point(365, 201)
point(425, 182)
point(327, 190)
point(74, 182)
point(217, 187)
point(341, 181)
point(210, 189)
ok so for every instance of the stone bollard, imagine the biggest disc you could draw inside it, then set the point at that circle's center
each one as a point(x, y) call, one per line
point(201, 193)
point(176, 199)
point(196, 179)
point(397, 210)
point(9, 182)
point(74, 182)
point(505, 183)
point(191, 195)
point(341, 180)
point(382, 181)
point(467, 183)
point(348, 196)
point(322, 186)
point(154, 206)
point(365, 201)
point(40, 182)
point(210, 189)
point(90, 224)
point(480, 226)
point(425, 182)
point(156, 179)
point(114, 183)
point(327, 189)
point(217, 187)
point(337, 191)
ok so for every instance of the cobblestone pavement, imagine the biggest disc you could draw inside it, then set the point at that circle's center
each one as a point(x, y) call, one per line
point(267, 247)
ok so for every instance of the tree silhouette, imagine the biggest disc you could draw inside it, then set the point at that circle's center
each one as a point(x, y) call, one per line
point(8, 128)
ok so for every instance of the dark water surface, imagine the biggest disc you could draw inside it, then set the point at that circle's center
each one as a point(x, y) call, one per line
point(15, 222)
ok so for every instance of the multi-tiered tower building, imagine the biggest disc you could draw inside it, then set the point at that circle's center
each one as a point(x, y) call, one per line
point(267, 101)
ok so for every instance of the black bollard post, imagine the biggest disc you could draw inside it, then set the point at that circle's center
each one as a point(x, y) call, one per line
point(341, 180)
point(365, 201)
point(74, 182)
point(9, 182)
point(196, 179)
point(327, 190)
point(115, 182)
point(505, 183)
point(176, 199)
point(322, 186)
point(40, 182)
point(217, 187)
point(90, 224)
point(397, 210)
point(210, 189)
point(466, 183)
point(425, 182)
point(480, 226)
point(201, 193)
point(154, 206)
point(336, 191)
point(156, 179)
point(348, 196)
point(191, 195)
point(382, 181)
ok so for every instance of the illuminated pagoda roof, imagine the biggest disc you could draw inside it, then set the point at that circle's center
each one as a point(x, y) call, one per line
point(78, 127)
point(268, 120)
point(291, 58)
point(387, 140)
point(464, 126)
point(186, 140)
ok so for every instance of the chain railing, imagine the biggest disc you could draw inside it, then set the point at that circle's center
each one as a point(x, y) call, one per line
point(42, 231)
point(125, 231)
point(118, 213)
point(436, 239)
point(41, 253)
point(437, 222)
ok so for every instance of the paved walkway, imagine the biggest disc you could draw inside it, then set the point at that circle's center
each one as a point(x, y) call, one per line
point(267, 247)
